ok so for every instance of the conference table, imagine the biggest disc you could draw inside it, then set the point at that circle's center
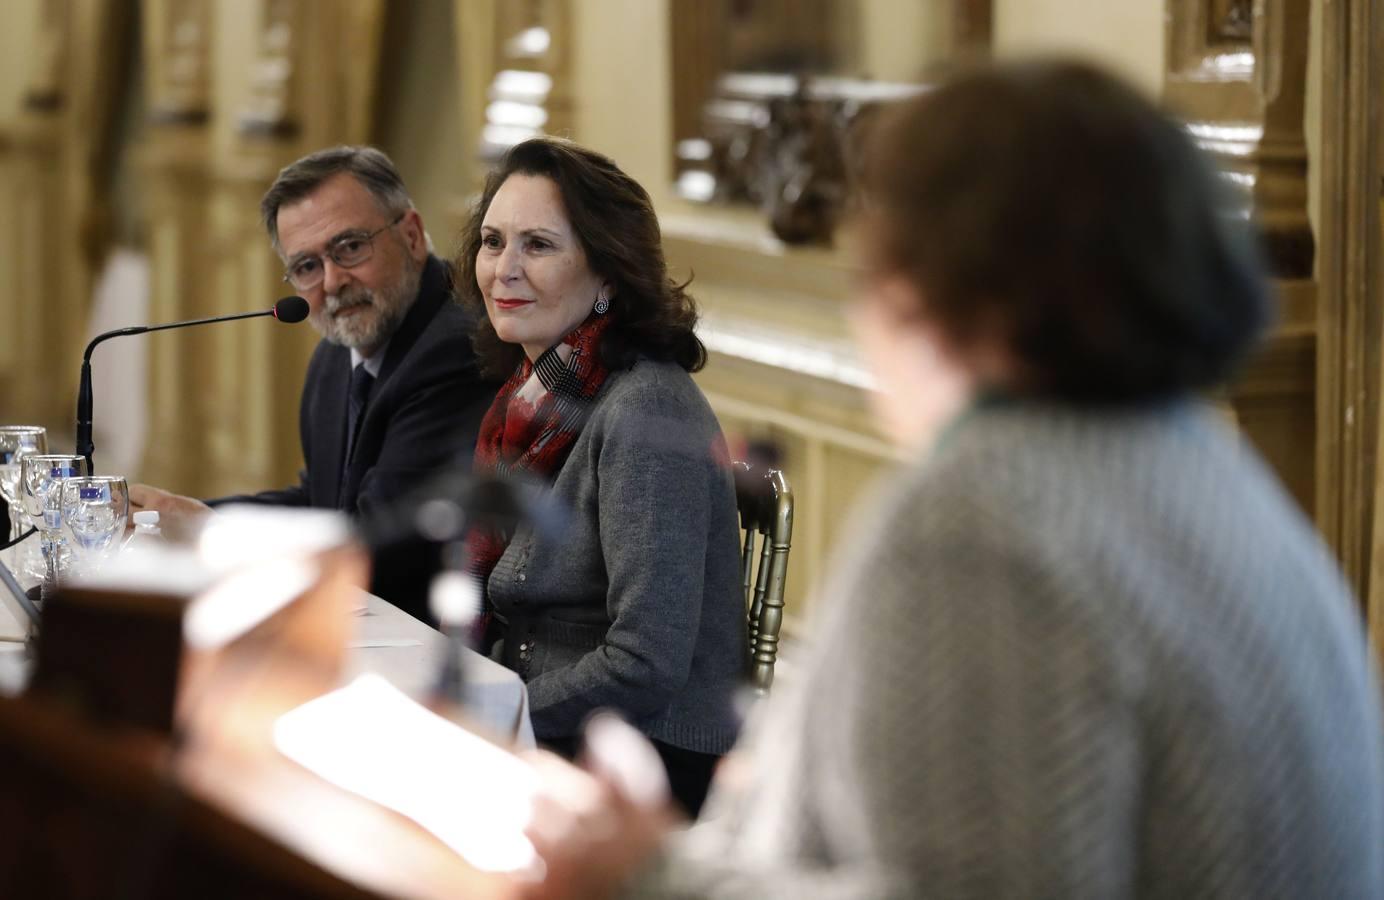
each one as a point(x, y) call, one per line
point(387, 642)
point(407, 653)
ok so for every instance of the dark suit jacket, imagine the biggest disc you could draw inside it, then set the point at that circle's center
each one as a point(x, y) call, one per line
point(422, 416)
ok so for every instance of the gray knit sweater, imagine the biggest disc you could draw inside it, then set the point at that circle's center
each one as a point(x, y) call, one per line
point(638, 606)
point(1072, 655)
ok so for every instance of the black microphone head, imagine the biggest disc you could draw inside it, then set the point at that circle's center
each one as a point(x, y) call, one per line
point(291, 309)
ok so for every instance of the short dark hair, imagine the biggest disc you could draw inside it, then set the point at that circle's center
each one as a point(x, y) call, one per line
point(1050, 205)
point(371, 167)
point(613, 218)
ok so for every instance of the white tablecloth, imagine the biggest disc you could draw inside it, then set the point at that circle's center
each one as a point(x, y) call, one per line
point(391, 643)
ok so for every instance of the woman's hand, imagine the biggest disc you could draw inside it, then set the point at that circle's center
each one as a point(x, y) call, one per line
point(594, 828)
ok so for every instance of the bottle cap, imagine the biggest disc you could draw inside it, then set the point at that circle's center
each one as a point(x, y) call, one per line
point(146, 517)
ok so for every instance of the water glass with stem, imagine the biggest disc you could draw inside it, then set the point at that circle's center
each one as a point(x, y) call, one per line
point(17, 442)
point(40, 478)
point(94, 510)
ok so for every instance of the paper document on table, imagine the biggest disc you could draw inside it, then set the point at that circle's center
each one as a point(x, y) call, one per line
point(371, 739)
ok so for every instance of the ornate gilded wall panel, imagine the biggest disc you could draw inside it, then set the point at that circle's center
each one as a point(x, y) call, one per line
point(225, 398)
point(178, 61)
point(52, 155)
point(1237, 73)
point(174, 165)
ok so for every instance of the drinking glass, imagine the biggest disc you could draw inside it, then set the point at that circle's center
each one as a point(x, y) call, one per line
point(94, 509)
point(17, 442)
point(39, 480)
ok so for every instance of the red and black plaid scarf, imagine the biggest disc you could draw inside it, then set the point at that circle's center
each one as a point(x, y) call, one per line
point(535, 435)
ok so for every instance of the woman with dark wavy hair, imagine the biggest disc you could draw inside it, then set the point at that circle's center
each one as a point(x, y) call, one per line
point(637, 607)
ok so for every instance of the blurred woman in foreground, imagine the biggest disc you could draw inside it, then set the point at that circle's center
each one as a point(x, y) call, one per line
point(1084, 645)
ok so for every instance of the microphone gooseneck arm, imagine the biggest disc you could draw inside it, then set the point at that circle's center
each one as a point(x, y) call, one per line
point(283, 310)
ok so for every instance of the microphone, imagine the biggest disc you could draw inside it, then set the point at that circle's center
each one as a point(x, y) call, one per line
point(288, 310)
point(448, 505)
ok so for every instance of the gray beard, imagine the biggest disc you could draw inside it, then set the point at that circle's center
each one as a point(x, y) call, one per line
point(375, 326)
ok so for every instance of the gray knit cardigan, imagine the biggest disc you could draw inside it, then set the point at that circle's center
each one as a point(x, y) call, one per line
point(637, 606)
point(1072, 654)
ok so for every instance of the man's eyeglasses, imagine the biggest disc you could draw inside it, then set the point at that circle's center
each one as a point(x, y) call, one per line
point(347, 251)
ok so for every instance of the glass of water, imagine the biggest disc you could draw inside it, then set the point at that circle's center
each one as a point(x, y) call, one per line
point(40, 478)
point(94, 509)
point(17, 442)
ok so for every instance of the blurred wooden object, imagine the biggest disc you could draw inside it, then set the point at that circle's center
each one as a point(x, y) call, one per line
point(140, 764)
point(120, 657)
point(93, 812)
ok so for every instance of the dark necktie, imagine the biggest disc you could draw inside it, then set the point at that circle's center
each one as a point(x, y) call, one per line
point(361, 383)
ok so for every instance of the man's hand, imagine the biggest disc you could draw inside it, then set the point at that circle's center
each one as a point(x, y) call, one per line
point(594, 829)
point(179, 516)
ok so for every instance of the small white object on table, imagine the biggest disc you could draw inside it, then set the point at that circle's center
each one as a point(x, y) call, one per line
point(391, 643)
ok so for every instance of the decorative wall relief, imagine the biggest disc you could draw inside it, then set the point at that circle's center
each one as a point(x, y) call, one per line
point(785, 144)
point(179, 63)
point(1237, 73)
point(528, 94)
point(1230, 21)
point(271, 111)
point(44, 91)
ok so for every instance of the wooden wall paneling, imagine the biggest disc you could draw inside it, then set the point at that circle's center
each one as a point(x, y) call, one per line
point(1237, 73)
point(53, 158)
point(309, 72)
point(175, 163)
point(1351, 310)
point(10, 284)
point(104, 41)
point(32, 160)
point(827, 445)
point(1349, 317)
point(475, 24)
point(697, 50)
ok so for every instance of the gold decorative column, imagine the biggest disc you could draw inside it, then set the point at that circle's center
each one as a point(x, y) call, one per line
point(52, 157)
point(40, 316)
point(175, 166)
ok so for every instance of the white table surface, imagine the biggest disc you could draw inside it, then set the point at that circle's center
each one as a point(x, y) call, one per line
point(391, 643)
point(388, 642)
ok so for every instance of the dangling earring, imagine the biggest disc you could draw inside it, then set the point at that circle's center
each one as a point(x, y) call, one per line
point(602, 305)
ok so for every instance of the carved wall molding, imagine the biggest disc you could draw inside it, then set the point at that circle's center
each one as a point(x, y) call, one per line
point(46, 87)
point(1237, 74)
point(223, 419)
point(272, 110)
point(53, 154)
point(178, 49)
point(527, 71)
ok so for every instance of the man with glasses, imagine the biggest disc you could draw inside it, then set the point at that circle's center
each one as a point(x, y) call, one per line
point(392, 392)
